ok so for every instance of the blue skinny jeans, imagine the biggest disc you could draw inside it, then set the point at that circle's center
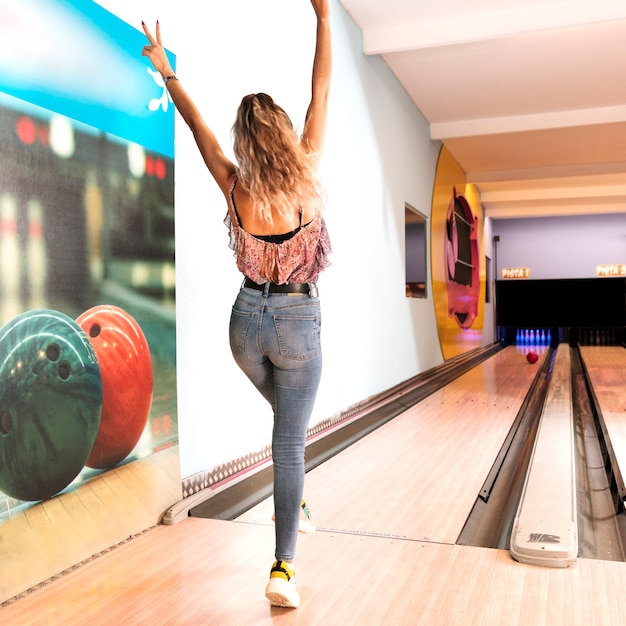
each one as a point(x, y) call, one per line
point(275, 340)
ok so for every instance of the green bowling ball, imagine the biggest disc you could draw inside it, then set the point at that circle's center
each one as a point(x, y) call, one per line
point(50, 403)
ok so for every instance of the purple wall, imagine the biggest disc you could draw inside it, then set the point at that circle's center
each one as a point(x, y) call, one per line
point(560, 247)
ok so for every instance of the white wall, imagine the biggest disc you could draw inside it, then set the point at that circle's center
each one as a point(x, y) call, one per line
point(489, 328)
point(378, 156)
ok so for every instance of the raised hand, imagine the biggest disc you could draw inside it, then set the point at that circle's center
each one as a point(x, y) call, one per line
point(156, 52)
point(322, 8)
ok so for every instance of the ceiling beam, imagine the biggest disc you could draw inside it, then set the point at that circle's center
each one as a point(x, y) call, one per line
point(562, 194)
point(440, 131)
point(524, 210)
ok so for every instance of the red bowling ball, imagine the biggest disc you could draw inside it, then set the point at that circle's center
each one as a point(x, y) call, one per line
point(127, 382)
point(532, 357)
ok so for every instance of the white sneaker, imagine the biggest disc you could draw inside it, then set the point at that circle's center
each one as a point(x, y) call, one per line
point(306, 524)
point(281, 588)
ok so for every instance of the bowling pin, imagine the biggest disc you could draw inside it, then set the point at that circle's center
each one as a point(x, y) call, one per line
point(94, 215)
point(36, 255)
point(168, 280)
point(10, 266)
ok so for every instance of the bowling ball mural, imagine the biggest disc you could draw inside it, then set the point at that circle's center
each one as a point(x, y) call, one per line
point(127, 382)
point(457, 258)
point(50, 403)
point(462, 261)
point(86, 217)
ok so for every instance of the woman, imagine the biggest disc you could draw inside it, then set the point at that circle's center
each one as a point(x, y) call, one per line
point(281, 244)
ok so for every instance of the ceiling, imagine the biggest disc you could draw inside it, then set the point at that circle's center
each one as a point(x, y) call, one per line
point(529, 96)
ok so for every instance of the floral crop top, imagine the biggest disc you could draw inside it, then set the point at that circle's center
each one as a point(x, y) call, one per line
point(299, 258)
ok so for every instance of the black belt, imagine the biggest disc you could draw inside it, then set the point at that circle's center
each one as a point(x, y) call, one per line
point(275, 288)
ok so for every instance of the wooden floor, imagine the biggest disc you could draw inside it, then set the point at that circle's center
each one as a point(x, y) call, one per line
point(211, 572)
point(389, 510)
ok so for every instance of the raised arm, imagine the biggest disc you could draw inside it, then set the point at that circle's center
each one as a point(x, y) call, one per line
point(315, 122)
point(221, 168)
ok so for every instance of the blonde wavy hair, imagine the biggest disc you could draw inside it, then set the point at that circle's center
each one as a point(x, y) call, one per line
point(273, 166)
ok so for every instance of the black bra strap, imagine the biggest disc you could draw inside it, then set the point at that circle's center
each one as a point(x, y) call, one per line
point(280, 237)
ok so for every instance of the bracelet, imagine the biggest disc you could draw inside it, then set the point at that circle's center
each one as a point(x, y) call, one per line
point(172, 77)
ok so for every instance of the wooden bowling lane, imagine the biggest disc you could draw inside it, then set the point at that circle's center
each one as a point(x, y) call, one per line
point(209, 572)
point(418, 476)
point(606, 368)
